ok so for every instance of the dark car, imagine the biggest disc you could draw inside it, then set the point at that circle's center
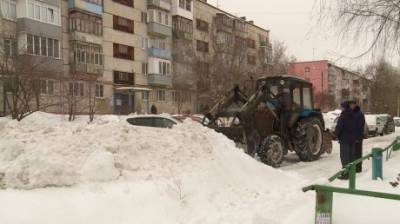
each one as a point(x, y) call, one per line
point(153, 121)
point(388, 121)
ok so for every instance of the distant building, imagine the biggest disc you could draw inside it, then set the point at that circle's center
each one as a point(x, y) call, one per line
point(333, 84)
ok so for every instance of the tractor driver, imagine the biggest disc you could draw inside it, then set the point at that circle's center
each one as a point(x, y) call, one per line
point(286, 107)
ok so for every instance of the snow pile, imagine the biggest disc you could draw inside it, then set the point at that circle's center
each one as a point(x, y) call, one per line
point(330, 117)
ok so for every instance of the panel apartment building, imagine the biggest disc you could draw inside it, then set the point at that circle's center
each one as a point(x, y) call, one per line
point(126, 56)
point(333, 84)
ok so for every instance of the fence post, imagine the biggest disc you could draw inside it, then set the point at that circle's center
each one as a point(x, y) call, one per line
point(352, 177)
point(377, 163)
point(323, 209)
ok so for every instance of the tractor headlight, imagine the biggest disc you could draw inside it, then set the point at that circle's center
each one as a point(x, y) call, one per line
point(282, 82)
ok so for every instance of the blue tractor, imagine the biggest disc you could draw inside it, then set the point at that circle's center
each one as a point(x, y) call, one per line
point(277, 118)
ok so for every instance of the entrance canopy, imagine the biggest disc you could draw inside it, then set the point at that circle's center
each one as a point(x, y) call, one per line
point(135, 89)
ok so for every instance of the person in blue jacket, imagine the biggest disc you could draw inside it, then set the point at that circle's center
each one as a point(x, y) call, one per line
point(359, 132)
point(346, 134)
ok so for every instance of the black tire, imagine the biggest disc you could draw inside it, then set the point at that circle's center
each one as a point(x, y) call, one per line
point(308, 139)
point(271, 151)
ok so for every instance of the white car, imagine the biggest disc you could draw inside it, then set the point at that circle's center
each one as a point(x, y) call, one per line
point(156, 121)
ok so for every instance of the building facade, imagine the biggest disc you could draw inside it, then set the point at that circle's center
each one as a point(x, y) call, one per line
point(126, 56)
point(333, 84)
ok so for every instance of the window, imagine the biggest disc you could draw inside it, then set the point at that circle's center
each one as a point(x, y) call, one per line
point(145, 43)
point(97, 2)
point(182, 4)
point(189, 5)
point(85, 53)
point(251, 59)
point(161, 95)
point(124, 51)
point(296, 96)
point(76, 89)
point(307, 69)
point(202, 46)
point(99, 91)
point(307, 98)
point(10, 47)
point(158, 16)
point(44, 12)
point(85, 23)
point(47, 87)
point(182, 24)
point(145, 95)
point(251, 43)
point(43, 46)
point(144, 17)
point(123, 24)
point(145, 68)
point(125, 2)
point(201, 25)
point(124, 78)
point(9, 9)
point(164, 68)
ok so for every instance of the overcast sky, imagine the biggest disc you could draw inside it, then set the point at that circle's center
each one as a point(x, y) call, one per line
point(294, 22)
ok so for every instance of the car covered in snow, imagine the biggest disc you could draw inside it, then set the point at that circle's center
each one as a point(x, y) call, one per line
point(375, 125)
point(156, 121)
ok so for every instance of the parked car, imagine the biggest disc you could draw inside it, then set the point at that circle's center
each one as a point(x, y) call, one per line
point(388, 122)
point(375, 125)
point(157, 121)
point(333, 127)
point(396, 121)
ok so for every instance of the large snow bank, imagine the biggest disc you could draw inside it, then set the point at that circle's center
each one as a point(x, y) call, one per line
point(45, 150)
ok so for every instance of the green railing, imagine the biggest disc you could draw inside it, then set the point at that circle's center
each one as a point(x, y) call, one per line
point(324, 194)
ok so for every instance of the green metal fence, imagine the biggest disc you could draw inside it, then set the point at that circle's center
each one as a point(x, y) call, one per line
point(324, 194)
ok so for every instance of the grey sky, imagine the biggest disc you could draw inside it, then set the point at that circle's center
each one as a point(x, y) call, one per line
point(293, 21)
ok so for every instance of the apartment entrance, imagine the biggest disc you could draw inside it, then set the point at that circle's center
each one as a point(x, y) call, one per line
point(123, 103)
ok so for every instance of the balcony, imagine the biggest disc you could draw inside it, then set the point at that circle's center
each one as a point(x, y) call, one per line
point(85, 37)
point(159, 80)
point(90, 7)
point(163, 4)
point(159, 53)
point(87, 68)
point(157, 29)
point(128, 80)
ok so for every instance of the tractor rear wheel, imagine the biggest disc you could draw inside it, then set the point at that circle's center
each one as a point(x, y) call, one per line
point(271, 151)
point(308, 139)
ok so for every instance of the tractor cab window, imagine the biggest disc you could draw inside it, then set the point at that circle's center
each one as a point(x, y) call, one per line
point(307, 98)
point(296, 96)
point(274, 90)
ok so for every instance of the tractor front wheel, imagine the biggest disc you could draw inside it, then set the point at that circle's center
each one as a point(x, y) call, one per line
point(271, 151)
point(308, 139)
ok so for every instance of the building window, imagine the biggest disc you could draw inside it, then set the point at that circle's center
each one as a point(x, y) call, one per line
point(124, 78)
point(38, 45)
point(307, 69)
point(99, 91)
point(164, 68)
point(201, 46)
point(202, 25)
point(10, 47)
point(144, 17)
point(145, 95)
point(76, 89)
point(9, 9)
point(145, 68)
point(85, 23)
point(124, 51)
point(123, 24)
point(47, 87)
point(185, 4)
point(145, 43)
point(182, 4)
point(44, 12)
point(161, 95)
point(85, 53)
point(182, 24)
point(251, 43)
point(97, 2)
point(125, 2)
point(251, 59)
point(160, 17)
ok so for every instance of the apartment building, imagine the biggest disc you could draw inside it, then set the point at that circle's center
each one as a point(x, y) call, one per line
point(333, 84)
point(213, 51)
point(126, 56)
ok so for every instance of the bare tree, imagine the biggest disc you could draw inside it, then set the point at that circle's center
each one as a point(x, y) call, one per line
point(376, 21)
point(280, 60)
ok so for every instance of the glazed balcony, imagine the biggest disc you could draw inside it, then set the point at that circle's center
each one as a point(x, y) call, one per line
point(157, 29)
point(87, 6)
point(159, 80)
point(87, 68)
point(163, 4)
point(159, 53)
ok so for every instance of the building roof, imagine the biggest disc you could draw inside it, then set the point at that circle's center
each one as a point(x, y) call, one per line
point(231, 15)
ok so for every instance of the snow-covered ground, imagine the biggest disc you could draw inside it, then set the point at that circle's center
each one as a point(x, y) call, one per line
point(54, 171)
